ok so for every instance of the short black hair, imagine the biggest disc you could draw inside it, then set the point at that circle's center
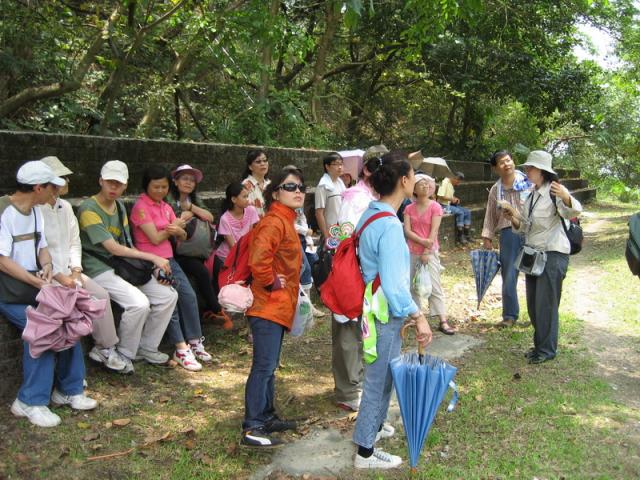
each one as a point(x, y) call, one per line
point(393, 166)
point(154, 172)
point(459, 175)
point(279, 178)
point(332, 157)
point(497, 155)
point(252, 155)
point(549, 177)
point(24, 187)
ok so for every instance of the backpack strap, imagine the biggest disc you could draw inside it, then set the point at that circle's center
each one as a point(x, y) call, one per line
point(356, 240)
point(564, 227)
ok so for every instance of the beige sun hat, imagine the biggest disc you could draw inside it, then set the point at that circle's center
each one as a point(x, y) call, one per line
point(541, 160)
point(54, 163)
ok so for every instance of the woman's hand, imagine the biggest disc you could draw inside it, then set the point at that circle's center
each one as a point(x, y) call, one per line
point(423, 331)
point(46, 274)
point(186, 216)
point(427, 243)
point(424, 258)
point(162, 263)
point(175, 230)
point(561, 192)
point(66, 280)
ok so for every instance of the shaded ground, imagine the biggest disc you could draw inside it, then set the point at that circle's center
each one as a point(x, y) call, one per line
point(575, 417)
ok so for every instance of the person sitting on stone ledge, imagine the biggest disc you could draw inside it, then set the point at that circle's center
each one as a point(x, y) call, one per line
point(451, 204)
point(63, 237)
point(23, 249)
point(186, 204)
point(154, 223)
point(104, 233)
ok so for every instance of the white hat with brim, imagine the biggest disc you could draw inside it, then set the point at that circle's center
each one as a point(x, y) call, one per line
point(188, 169)
point(541, 160)
point(57, 166)
point(115, 170)
point(37, 172)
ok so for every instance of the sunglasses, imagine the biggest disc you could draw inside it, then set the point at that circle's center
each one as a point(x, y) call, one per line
point(292, 187)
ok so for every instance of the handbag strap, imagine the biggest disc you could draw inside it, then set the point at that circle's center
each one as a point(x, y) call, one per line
point(36, 237)
point(127, 240)
point(564, 227)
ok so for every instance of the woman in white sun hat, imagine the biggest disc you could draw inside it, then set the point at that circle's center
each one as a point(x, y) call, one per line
point(540, 220)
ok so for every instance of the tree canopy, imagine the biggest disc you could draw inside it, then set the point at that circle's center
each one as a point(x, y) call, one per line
point(457, 78)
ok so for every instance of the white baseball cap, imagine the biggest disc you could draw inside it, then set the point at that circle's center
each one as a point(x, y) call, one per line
point(37, 172)
point(115, 170)
point(57, 166)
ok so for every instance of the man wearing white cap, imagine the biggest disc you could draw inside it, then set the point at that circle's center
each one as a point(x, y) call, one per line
point(23, 249)
point(104, 233)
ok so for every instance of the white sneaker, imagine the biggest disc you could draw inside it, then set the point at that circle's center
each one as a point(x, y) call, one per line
point(77, 402)
point(151, 356)
point(197, 347)
point(349, 405)
point(109, 357)
point(187, 360)
point(386, 431)
point(379, 459)
point(317, 312)
point(39, 415)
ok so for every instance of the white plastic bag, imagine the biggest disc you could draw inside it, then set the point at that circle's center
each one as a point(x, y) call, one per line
point(303, 319)
point(422, 281)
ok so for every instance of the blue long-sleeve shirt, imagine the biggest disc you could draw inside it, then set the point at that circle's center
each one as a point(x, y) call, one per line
point(383, 250)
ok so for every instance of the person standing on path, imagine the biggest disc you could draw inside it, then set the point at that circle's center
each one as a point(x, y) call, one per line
point(275, 260)
point(539, 219)
point(383, 253)
point(513, 187)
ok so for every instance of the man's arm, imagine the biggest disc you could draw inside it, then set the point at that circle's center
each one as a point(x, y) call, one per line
point(8, 266)
point(118, 250)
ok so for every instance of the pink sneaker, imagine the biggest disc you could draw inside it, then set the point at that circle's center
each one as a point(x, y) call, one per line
point(197, 347)
point(187, 360)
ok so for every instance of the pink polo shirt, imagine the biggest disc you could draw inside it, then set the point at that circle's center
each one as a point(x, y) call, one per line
point(159, 214)
point(421, 225)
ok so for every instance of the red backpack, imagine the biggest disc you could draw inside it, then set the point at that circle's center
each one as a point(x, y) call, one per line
point(236, 265)
point(343, 290)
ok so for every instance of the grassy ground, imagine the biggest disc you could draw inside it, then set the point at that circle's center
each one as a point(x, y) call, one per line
point(556, 420)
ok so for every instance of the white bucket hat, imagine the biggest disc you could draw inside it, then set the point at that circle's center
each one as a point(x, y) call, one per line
point(541, 160)
point(59, 169)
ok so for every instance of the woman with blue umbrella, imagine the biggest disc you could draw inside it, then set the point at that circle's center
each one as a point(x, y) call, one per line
point(384, 258)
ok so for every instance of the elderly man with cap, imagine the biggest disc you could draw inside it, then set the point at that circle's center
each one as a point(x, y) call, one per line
point(540, 220)
point(63, 236)
point(104, 230)
point(23, 249)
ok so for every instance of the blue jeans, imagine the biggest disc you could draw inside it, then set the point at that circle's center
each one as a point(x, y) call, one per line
point(65, 368)
point(185, 321)
point(378, 383)
point(463, 215)
point(510, 245)
point(259, 391)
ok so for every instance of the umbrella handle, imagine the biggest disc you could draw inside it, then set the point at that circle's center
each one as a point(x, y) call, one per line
point(403, 333)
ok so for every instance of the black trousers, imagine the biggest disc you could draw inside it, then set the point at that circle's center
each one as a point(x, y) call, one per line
point(194, 268)
point(543, 302)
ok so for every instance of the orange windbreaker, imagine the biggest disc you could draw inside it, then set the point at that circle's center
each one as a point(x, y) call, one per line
point(275, 249)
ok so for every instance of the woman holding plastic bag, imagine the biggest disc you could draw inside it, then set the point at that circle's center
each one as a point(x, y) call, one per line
point(421, 224)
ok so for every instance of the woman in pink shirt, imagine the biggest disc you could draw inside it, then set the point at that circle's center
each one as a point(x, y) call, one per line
point(154, 222)
point(421, 224)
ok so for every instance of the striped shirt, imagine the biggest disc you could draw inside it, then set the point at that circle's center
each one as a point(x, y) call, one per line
point(494, 219)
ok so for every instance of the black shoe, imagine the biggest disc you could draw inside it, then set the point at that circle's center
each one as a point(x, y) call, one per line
point(467, 234)
point(530, 353)
point(535, 359)
point(259, 438)
point(278, 425)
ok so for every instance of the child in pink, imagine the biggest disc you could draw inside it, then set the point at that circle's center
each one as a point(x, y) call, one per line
point(236, 221)
point(421, 224)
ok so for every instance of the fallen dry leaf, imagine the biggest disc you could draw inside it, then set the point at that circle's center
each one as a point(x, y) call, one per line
point(84, 425)
point(189, 432)
point(95, 446)
point(231, 448)
point(189, 444)
point(90, 437)
point(122, 422)
point(164, 399)
point(352, 416)
point(108, 425)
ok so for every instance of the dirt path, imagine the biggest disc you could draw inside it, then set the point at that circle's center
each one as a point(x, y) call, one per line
point(617, 355)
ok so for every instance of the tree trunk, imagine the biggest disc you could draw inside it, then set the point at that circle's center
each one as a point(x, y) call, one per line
point(114, 85)
point(332, 17)
point(267, 56)
point(33, 94)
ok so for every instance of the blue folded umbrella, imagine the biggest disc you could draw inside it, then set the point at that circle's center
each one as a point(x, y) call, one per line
point(485, 265)
point(421, 382)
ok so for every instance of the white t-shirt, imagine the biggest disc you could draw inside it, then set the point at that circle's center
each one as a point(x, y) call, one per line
point(17, 234)
point(329, 197)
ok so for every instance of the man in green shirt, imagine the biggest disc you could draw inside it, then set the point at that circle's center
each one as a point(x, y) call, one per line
point(147, 308)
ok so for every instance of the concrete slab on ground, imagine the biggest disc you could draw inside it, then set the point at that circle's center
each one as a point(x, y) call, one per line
point(328, 452)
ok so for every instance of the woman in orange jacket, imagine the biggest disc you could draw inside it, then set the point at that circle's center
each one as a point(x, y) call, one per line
point(275, 259)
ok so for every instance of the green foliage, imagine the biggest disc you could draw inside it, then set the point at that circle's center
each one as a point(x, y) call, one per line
point(455, 78)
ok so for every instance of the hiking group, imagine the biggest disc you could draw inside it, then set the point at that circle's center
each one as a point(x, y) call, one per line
point(164, 267)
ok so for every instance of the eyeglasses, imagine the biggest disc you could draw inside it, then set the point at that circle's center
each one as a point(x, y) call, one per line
point(336, 164)
point(292, 187)
point(260, 161)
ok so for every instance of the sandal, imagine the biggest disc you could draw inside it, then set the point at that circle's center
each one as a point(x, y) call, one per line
point(446, 328)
